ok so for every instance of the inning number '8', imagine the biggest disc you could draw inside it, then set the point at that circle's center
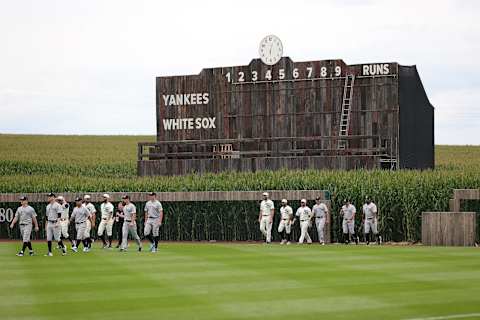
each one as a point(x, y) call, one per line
point(6, 214)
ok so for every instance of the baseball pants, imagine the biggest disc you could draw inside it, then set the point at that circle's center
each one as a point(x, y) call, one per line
point(266, 228)
point(80, 227)
point(26, 231)
point(105, 225)
point(284, 225)
point(304, 231)
point(132, 230)
point(88, 227)
point(64, 228)
point(53, 231)
point(348, 226)
point(320, 224)
point(151, 226)
point(370, 225)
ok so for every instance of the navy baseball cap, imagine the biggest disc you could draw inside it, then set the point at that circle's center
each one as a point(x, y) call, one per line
point(125, 196)
point(78, 199)
point(152, 194)
point(51, 194)
point(23, 198)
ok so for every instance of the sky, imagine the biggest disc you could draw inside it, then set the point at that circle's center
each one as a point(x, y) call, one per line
point(89, 67)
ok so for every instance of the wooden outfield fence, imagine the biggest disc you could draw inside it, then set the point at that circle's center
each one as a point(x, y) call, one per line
point(449, 228)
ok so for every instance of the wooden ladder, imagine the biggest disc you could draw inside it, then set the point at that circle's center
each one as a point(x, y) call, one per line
point(346, 106)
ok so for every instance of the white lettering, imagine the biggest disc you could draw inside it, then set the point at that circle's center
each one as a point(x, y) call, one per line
point(185, 99)
point(375, 69)
point(189, 123)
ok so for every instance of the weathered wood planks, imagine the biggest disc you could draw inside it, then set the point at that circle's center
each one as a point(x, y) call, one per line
point(448, 228)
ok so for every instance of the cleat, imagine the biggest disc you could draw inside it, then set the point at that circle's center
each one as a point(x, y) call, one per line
point(31, 253)
point(74, 249)
point(64, 253)
point(123, 250)
point(154, 250)
point(139, 249)
point(323, 243)
point(151, 246)
point(288, 243)
point(48, 254)
point(20, 254)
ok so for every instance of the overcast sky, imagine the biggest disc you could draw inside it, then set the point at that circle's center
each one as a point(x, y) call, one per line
point(88, 67)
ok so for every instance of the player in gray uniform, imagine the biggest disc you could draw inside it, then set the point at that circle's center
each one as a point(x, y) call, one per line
point(348, 225)
point(285, 225)
point(153, 220)
point(129, 224)
point(80, 216)
point(369, 218)
point(53, 213)
point(320, 212)
point(25, 216)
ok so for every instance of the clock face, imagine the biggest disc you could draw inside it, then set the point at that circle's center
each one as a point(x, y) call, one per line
point(270, 50)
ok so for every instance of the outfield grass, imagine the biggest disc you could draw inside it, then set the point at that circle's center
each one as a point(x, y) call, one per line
point(242, 281)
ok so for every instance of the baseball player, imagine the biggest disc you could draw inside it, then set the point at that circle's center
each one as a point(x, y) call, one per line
point(305, 215)
point(106, 222)
point(91, 221)
point(64, 221)
point(80, 215)
point(369, 218)
point(119, 222)
point(153, 220)
point(25, 216)
point(53, 213)
point(320, 212)
point(348, 225)
point(285, 225)
point(265, 218)
point(129, 224)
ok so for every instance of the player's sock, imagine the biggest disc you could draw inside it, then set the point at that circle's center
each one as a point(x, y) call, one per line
point(110, 238)
point(29, 245)
point(60, 243)
point(24, 247)
point(49, 244)
point(102, 237)
point(150, 238)
point(155, 239)
point(345, 237)
point(367, 238)
point(89, 242)
point(71, 241)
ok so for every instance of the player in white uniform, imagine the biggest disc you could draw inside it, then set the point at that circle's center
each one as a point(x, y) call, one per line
point(153, 220)
point(369, 218)
point(106, 222)
point(305, 216)
point(53, 212)
point(348, 225)
point(64, 220)
point(25, 216)
point(91, 220)
point(285, 225)
point(265, 217)
point(320, 212)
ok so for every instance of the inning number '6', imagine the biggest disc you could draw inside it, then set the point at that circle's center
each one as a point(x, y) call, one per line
point(6, 214)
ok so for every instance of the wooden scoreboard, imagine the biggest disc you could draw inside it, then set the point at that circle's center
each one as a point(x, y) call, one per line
point(277, 113)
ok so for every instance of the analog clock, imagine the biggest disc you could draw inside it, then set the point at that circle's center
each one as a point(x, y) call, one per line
point(270, 50)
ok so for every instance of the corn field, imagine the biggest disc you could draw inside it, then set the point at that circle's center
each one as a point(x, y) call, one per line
point(108, 164)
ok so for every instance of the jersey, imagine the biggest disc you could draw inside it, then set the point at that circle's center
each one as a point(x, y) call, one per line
point(54, 211)
point(153, 209)
point(106, 209)
point(91, 208)
point(369, 210)
point(66, 209)
point(80, 214)
point(304, 213)
point(25, 215)
point(286, 212)
point(320, 210)
point(129, 210)
point(266, 206)
point(349, 212)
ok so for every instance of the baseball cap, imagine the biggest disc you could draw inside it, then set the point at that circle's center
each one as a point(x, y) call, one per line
point(318, 198)
point(265, 194)
point(284, 201)
point(303, 201)
point(23, 198)
point(125, 196)
point(86, 197)
point(106, 195)
point(78, 199)
point(51, 194)
point(152, 194)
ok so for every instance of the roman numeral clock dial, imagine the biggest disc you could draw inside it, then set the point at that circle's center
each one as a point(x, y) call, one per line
point(271, 50)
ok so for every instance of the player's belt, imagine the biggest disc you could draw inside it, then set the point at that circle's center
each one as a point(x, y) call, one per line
point(52, 221)
point(265, 215)
point(303, 220)
point(128, 220)
point(284, 219)
point(63, 219)
point(369, 218)
point(24, 224)
point(319, 217)
point(80, 222)
point(104, 218)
